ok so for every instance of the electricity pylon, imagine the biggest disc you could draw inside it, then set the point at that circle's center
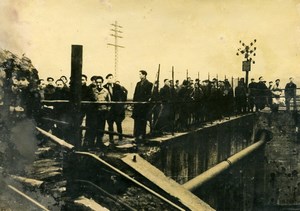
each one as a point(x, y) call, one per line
point(116, 31)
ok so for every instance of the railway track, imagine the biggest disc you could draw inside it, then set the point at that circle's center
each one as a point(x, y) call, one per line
point(76, 180)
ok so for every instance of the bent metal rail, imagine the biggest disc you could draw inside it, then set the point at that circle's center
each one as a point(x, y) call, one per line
point(71, 148)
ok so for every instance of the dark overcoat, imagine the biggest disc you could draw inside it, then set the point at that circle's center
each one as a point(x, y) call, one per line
point(142, 93)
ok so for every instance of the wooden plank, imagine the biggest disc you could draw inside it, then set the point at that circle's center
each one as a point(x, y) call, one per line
point(55, 139)
point(29, 181)
point(45, 163)
point(170, 186)
point(27, 197)
point(89, 203)
point(48, 176)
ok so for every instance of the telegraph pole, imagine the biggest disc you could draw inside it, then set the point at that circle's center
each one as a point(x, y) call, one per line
point(116, 31)
point(248, 51)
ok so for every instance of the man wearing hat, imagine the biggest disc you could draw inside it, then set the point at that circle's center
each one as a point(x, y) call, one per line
point(93, 81)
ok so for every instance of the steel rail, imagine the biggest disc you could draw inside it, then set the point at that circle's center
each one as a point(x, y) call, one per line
point(106, 193)
point(129, 178)
point(28, 198)
point(70, 147)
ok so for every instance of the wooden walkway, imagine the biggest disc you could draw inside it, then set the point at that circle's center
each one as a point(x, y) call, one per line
point(170, 186)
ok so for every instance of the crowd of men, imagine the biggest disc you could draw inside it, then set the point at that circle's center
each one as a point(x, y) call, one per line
point(259, 95)
point(173, 107)
point(94, 115)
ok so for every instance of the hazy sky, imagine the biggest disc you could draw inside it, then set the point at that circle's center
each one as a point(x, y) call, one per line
point(198, 35)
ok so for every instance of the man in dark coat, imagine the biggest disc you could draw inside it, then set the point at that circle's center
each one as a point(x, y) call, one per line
point(206, 88)
point(269, 94)
point(262, 94)
point(49, 89)
point(290, 93)
point(90, 112)
point(86, 95)
point(142, 93)
point(117, 111)
point(240, 97)
point(252, 92)
point(184, 99)
point(155, 108)
point(61, 110)
point(163, 122)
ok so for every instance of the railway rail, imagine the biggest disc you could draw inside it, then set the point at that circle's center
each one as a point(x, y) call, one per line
point(68, 175)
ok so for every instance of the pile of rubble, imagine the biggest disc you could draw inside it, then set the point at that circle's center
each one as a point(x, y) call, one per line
point(17, 135)
point(12, 68)
point(13, 130)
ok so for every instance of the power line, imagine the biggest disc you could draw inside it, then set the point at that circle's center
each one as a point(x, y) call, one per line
point(116, 34)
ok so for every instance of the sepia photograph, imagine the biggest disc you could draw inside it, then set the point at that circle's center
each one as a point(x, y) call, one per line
point(149, 105)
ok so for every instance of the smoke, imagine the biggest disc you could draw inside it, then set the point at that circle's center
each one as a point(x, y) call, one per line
point(25, 142)
point(17, 154)
point(18, 141)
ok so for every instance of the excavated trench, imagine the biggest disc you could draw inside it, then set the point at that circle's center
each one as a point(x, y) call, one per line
point(266, 179)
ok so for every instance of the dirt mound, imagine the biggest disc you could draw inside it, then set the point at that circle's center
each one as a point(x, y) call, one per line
point(18, 98)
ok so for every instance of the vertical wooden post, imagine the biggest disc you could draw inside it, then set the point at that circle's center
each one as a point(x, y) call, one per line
point(173, 79)
point(70, 162)
point(187, 74)
point(173, 104)
point(247, 76)
point(75, 93)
